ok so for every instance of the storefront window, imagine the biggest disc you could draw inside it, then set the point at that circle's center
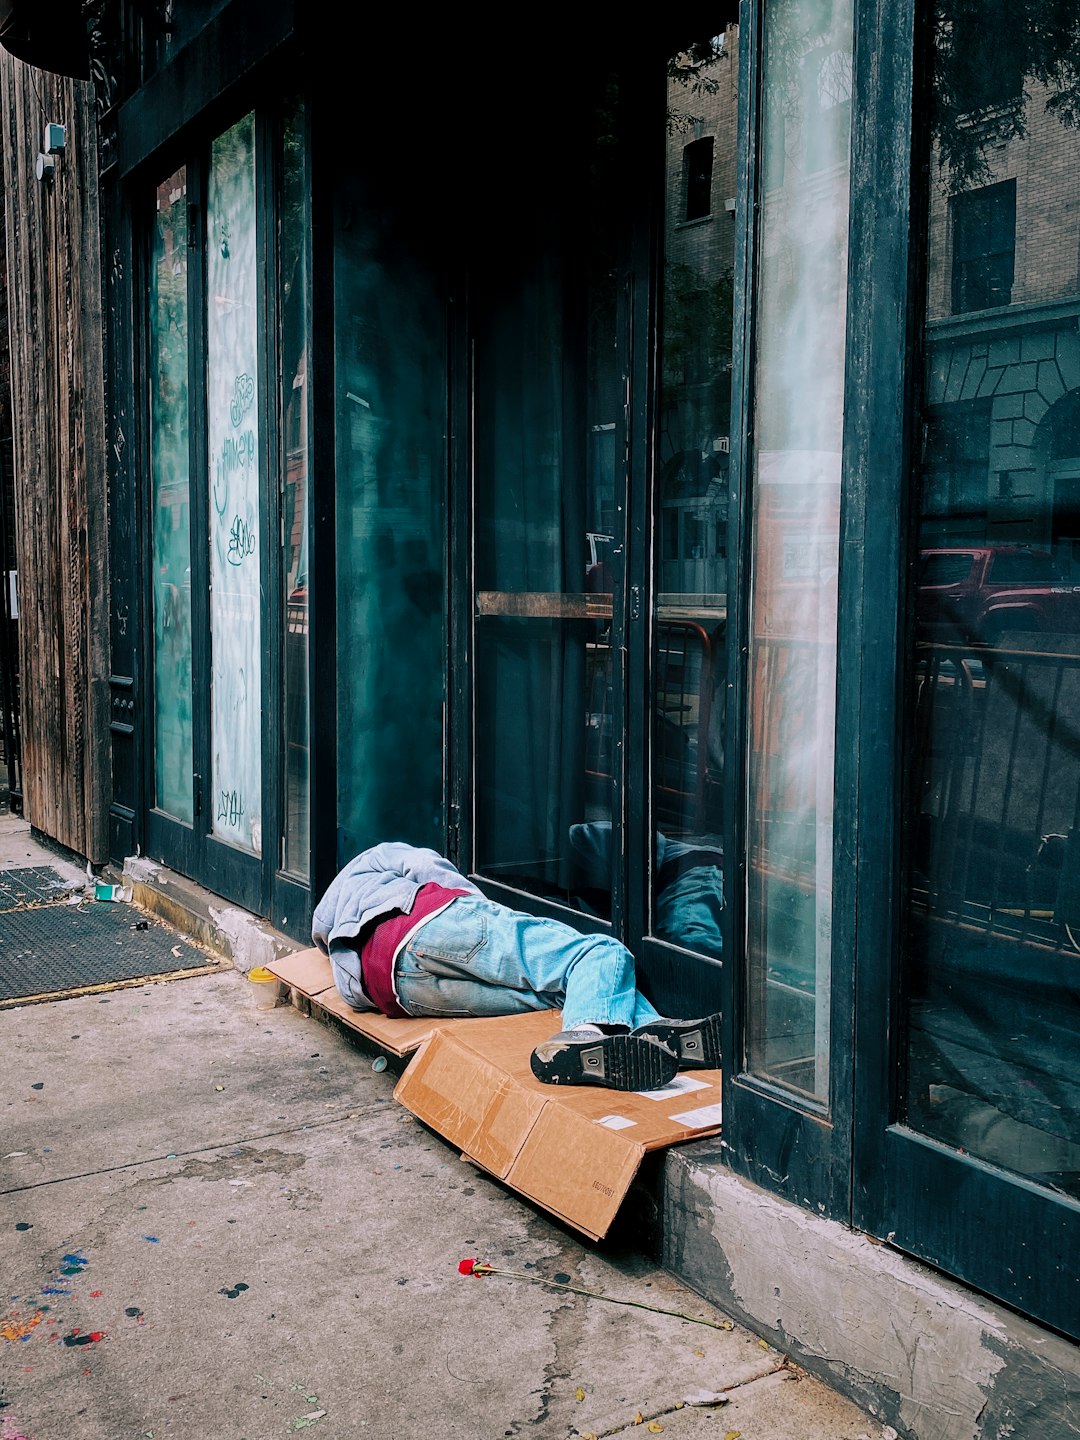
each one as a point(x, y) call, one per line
point(234, 448)
point(691, 600)
point(170, 462)
point(798, 418)
point(391, 522)
point(990, 999)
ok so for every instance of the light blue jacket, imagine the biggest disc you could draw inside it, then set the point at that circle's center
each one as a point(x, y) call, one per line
point(384, 878)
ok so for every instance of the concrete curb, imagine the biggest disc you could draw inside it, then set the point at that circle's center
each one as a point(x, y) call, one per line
point(908, 1345)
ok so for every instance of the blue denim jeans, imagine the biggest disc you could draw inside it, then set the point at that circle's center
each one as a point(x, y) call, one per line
point(477, 958)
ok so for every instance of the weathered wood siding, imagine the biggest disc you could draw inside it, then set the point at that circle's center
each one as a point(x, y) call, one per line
point(54, 292)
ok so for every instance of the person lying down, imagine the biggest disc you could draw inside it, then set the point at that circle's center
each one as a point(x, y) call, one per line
point(408, 935)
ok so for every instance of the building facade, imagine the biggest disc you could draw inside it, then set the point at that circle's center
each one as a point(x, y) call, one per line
point(546, 449)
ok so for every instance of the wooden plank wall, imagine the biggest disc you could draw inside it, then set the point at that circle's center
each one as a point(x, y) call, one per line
point(55, 308)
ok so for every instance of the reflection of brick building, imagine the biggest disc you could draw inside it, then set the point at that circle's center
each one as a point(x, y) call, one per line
point(700, 253)
point(701, 162)
point(1002, 455)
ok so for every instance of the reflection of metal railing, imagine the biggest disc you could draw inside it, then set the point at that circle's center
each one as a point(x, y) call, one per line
point(686, 753)
point(687, 690)
point(598, 754)
point(687, 739)
point(996, 793)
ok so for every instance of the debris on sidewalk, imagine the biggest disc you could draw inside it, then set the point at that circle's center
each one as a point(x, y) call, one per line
point(104, 890)
point(706, 1397)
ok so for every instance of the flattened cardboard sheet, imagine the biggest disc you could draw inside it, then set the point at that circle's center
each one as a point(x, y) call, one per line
point(305, 970)
point(310, 974)
point(575, 1169)
point(573, 1149)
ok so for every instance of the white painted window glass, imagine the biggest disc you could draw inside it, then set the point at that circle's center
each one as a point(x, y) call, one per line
point(171, 479)
point(798, 429)
point(234, 453)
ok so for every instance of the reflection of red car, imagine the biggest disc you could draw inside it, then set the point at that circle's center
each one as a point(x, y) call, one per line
point(981, 594)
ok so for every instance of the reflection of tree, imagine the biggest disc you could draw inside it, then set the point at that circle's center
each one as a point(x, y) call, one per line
point(689, 68)
point(983, 50)
point(795, 28)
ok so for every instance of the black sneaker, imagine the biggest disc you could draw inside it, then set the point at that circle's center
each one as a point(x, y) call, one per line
point(621, 1062)
point(696, 1042)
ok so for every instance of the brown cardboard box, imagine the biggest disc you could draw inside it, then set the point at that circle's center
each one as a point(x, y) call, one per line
point(573, 1149)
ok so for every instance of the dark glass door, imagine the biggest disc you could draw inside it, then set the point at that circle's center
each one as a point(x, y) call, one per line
point(602, 351)
point(691, 520)
point(550, 486)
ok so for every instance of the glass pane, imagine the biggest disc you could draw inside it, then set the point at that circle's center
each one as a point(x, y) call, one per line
point(391, 524)
point(295, 411)
point(798, 424)
point(990, 995)
point(232, 381)
point(690, 605)
point(549, 510)
point(171, 481)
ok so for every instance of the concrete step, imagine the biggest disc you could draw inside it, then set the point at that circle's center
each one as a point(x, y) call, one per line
point(228, 930)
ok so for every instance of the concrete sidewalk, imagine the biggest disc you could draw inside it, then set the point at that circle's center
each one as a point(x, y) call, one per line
point(218, 1221)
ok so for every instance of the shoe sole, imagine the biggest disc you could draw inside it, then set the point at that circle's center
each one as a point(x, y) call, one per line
point(695, 1042)
point(619, 1062)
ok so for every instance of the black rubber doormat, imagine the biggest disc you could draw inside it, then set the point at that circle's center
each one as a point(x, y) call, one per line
point(64, 949)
